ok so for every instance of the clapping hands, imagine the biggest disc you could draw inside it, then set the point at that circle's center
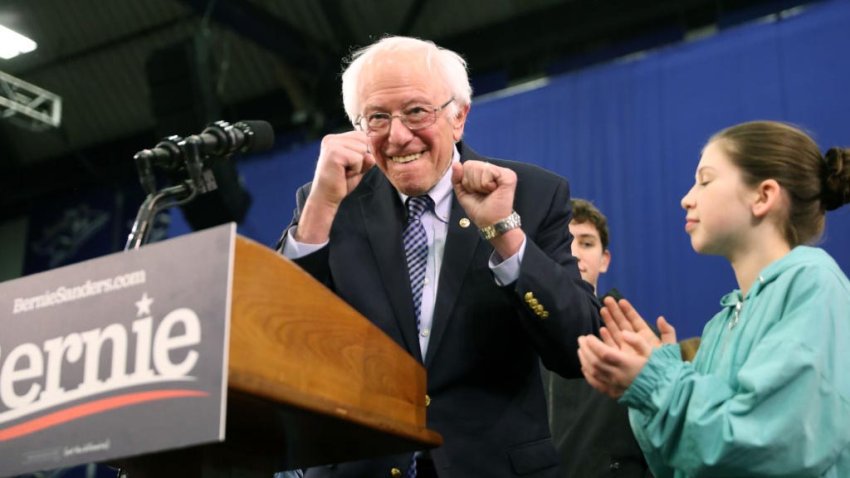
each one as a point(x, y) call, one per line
point(611, 364)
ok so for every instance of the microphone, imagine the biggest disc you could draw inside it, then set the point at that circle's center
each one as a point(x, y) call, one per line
point(223, 139)
point(219, 139)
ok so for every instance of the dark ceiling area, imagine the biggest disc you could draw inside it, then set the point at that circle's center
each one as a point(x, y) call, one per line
point(131, 72)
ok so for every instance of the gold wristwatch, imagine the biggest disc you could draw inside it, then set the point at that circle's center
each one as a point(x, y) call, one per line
point(495, 230)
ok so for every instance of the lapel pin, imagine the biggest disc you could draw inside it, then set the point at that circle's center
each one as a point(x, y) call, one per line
point(464, 222)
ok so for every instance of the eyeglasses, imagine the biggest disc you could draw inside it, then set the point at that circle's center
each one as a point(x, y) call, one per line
point(414, 117)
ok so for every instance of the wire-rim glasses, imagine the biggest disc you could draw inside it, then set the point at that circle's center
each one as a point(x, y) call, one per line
point(413, 117)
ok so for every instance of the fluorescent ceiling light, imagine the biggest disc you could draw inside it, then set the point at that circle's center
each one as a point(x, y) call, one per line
point(13, 43)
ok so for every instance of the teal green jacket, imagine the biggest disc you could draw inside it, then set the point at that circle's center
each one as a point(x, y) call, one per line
point(768, 393)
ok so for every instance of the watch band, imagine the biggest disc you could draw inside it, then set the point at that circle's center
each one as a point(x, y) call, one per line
point(495, 230)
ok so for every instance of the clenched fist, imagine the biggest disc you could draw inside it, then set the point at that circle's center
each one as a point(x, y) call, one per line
point(343, 160)
point(486, 193)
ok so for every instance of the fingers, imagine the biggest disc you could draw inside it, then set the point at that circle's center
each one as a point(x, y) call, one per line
point(608, 369)
point(457, 174)
point(612, 329)
point(638, 343)
point(637, 324)
point(600, 385)
point(598, 373)
point(343, 159)
point(357, 141)
point(590, 363)
point(616, 317)
point(486, 193)
point(477, 177)
point(480, 177)
point(359, 168)
point(607, 338)
point(619, 314)
point(668, 332)
point(349, 151)
point(631, 315)
point(601, 356)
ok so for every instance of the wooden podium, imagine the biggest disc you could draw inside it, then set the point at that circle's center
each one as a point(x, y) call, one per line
point(310, 382)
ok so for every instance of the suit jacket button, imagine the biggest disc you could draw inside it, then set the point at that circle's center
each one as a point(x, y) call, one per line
point(615, 465)
point(395, 473)
point(427, 400)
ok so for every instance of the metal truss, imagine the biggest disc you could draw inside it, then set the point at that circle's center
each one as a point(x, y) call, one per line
point(28, 105)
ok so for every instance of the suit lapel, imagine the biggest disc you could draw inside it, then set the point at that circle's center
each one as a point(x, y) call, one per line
point(383, 218)
point(457, 258)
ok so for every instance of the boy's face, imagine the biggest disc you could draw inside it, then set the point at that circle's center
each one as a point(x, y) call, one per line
point(587, 248)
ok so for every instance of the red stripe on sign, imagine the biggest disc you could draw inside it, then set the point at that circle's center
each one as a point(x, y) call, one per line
point(92, 408)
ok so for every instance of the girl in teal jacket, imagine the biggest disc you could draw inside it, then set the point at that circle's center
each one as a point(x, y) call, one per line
point(768, 393)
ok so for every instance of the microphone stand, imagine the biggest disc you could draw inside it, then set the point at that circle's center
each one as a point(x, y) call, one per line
point(200, 181)
point(152, 205)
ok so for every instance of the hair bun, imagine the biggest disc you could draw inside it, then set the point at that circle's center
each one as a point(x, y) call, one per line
point(836, 179)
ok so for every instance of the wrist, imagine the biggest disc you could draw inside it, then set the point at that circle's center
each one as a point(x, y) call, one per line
point(508, 244)
point(314, 225)
point(508, 223)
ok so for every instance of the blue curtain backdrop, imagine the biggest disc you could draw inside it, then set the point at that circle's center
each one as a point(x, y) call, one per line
point(628, 137)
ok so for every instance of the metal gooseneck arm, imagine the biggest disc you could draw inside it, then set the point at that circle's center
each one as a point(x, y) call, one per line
point(153, 204)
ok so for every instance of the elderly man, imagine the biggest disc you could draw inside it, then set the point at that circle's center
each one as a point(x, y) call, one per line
point(463, 260)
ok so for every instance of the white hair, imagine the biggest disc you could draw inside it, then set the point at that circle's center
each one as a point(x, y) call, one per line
point(448, 64)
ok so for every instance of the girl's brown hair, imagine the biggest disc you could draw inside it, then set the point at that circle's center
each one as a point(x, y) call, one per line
point(815, 183)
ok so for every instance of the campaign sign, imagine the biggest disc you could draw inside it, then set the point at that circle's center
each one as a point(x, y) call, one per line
point(117, 356)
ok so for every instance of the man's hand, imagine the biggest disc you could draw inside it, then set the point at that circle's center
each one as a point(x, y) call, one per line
point(486, 193)
point(343, 160)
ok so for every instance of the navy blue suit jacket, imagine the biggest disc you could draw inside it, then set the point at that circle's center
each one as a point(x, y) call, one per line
point(482, 361)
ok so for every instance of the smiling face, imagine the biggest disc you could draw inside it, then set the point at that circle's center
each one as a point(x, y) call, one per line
point(718, 206)
point(593, 258)
point(413, 161)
